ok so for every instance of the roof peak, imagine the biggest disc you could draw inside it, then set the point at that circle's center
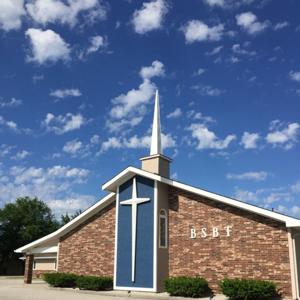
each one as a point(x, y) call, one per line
point(156, 145)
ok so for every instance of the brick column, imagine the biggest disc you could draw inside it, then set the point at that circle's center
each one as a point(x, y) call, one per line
point(28, 269)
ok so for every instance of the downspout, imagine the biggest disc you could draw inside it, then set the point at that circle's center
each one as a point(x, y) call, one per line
point(296, 264)
point(293, 265)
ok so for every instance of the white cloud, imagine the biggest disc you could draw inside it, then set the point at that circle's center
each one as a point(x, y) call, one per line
point(111, 143)
point(13, 102)
point(63, 93)
point(77, 149)
point(278, 196)
point(248, 21)
point(157, 69)
point(95, 139)
point(96, 42)
point(295, 76)
point(256, 176)
point(215, 51)
point(135, 98)
point(50, 184)
point(13, 126)
point(150, 16)
point(5, 150)
point(234, 60)
point(267, 197)
point(285, 137)
point(21, 155)
point(11, 13)
point(281, 25)
point(175, 114)
point(71, 204)
point(249, 140)
point(197, 31)
point(227, 3)
point(114, 125)
point(207, 90)
point(65, 12)
point(61, 124)
point(129, 109)
point(296, 187)
point(72, 147)
point(192, 114)
point(215, 2)
point(199, 72)
point(207, 139)
point(37, 77)
point(47, 46)
point(237, 49)
point(136, 142)
point(246, 196)
point(296, 210)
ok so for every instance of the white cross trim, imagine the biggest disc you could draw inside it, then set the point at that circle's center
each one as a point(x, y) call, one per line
point(134, 202)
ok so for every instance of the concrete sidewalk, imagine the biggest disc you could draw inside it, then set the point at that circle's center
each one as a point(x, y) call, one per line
point(15, 289)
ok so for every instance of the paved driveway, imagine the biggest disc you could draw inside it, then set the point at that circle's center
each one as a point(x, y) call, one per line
point(15, 289)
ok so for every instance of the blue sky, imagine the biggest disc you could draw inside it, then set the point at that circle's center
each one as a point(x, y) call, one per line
point(77, 83)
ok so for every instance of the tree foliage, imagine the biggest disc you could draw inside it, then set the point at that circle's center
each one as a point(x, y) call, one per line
point(23, 222)
point(64, 219)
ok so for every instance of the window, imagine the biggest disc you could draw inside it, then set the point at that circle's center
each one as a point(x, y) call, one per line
point(163, 229)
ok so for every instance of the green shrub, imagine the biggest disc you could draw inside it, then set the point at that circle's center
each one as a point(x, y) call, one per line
point(61, 279)
point(247, 289)
point(94, 283)
point(194, 287)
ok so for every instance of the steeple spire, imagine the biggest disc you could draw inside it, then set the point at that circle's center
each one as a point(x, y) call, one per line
point(156, 162)
point(156, 131)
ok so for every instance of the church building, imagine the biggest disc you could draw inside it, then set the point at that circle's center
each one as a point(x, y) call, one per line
point(149, 227)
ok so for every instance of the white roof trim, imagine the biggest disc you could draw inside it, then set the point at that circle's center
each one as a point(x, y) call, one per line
point(42, 250)
point(131, 171)
point(54, 236)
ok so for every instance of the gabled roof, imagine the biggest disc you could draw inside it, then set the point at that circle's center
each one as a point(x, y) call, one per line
point(129, 172)
point(53, 237)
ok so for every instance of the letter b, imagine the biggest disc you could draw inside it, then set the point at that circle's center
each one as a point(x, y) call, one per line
point(193, 233)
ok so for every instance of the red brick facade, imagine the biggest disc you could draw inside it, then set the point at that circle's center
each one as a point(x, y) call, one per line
point(256, 248)
point(40, 273)
point(28, 268)
point(89, 249)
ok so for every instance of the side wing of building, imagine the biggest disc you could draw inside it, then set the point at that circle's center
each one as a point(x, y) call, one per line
point(89, 248)
point(218, 241)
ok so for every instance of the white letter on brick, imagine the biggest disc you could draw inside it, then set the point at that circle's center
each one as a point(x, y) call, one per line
point(203, 233)
point(228, 230)
point(193, 233)
point(215, 232)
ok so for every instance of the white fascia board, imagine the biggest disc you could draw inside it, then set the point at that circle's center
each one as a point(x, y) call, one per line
point(44, 257)
point(290, 221)
point(131, 171)
point(125, 175)
point(54, 236)
point(42, 250)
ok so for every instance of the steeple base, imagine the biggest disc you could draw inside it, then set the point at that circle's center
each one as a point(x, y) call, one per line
point(157, 164)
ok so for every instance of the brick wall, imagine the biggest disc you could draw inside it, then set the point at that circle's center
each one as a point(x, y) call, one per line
point(40, 273)
point(28, 269)
point(257, 247)
point(89, 249)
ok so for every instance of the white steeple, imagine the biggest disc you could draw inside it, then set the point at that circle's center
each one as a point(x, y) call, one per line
point(156, 162)
point(156, 132)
